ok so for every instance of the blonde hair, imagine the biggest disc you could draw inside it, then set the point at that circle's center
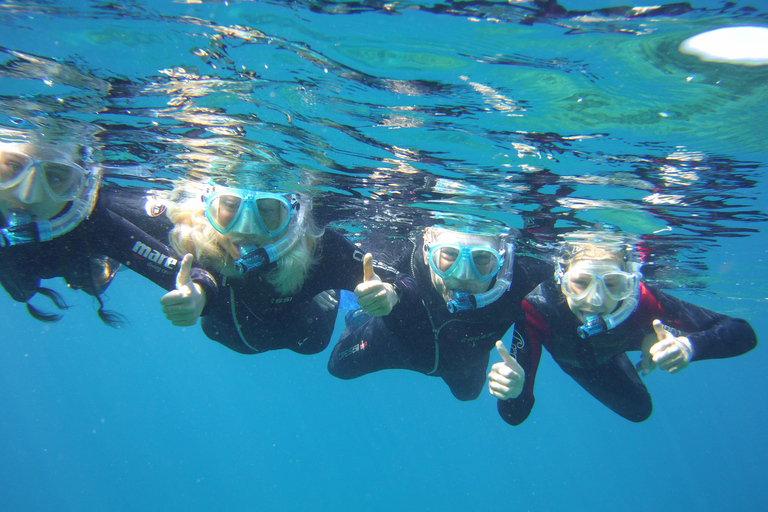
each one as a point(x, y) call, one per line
point(193, 233)
point(595, 252)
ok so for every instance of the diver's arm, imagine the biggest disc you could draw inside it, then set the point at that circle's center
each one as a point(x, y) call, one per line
point(527, 337)
point(111, 235)
point(409, 309)
point(712, 335)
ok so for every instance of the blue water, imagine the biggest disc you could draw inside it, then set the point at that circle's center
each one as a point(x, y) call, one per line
point(398, 113)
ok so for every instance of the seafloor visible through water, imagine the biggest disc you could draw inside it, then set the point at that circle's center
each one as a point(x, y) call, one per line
point(550, 118)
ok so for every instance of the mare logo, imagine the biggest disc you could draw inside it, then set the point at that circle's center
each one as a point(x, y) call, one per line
point(154, 256)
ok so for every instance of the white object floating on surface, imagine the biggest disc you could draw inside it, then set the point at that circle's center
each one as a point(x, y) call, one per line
point(734, 45)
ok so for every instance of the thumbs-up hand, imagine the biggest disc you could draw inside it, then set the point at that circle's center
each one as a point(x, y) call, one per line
point(671, 353)
point(662, 348)
point(183, 305)
point(374, 296)
point(507, 378)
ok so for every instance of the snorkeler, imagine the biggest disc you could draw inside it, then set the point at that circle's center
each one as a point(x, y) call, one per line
point(591, 313)
point(462, 292)
point(54, 223)
point(277, 273)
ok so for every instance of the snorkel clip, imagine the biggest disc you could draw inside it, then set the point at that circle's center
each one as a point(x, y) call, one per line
point(593, 324)
point(462, 301)
point(252, 257)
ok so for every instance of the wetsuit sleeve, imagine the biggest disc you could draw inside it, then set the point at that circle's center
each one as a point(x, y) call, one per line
point(341, 264)
point(111, 235)
point(527, 339)
point(139, 246)
point(139, 208)
point(712, 335)
point(356, 352)
point(409, 308)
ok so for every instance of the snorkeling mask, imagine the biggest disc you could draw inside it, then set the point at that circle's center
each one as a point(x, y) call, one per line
point(581, 284)
point(593, 284)
point(481, 263)
point(250, 212)
point(261, 213)
point(476, 263)
point(62, 180)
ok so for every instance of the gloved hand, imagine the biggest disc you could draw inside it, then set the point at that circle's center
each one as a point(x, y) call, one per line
point(326, 300)
point(662, 348)
point(374, 296)
point(507, 378)
point(183, 305)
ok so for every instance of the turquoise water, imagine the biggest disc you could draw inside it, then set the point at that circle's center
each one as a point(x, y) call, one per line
point(390, 114)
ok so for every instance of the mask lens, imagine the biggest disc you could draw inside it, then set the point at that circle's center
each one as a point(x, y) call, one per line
point(444, 259)
point(64, 180)
point(577, 284)
point(273, 215)
point(618, 285)
point(11, 167)
point(223, 211)
point(485, 262)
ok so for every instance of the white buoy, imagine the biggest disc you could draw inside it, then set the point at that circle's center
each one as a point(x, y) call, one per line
point(735, 45)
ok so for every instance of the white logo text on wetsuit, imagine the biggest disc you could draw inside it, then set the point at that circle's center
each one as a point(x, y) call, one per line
point(153, 255)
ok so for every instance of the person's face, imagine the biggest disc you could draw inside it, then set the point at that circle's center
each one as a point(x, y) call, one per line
point(463, 279)
point(29, 195)
point(249, 220)
point(597, 301)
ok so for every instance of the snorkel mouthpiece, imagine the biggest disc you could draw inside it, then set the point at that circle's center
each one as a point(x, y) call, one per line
point(18, 218)
point(252, 257)
point(19, 229)
point(593, 324)
point(461, 301)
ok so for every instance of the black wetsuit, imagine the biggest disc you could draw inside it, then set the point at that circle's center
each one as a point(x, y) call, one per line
point(421, 335)
point(600, 363)
point(250, 317)
point(73, 255)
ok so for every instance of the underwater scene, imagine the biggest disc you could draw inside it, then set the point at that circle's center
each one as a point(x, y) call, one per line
point(441, 137)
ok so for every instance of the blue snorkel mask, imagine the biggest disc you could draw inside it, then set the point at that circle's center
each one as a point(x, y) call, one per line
point(471, 262)
point(250, 212)
point(464, 301)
